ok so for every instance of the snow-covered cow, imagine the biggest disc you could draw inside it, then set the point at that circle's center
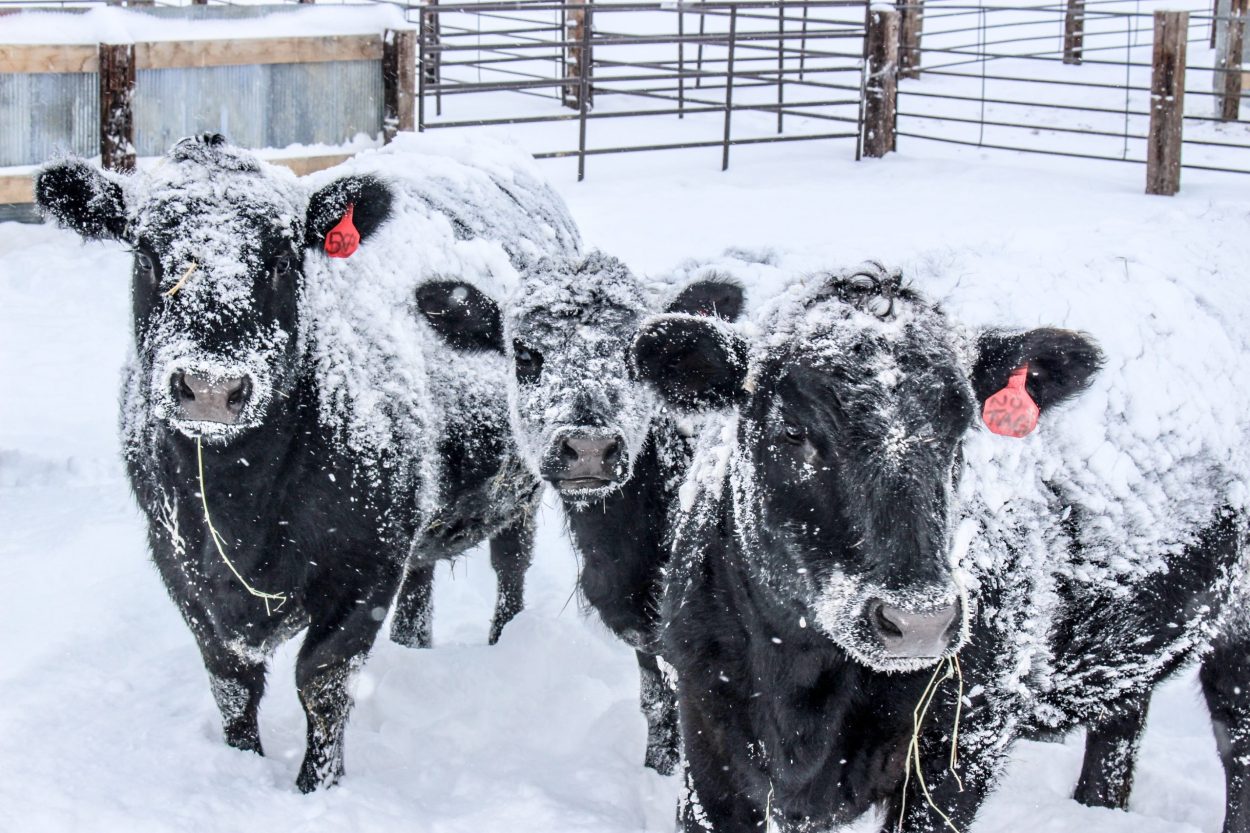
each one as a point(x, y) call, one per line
point(587, 427)
point(847, 541)
point(284, 484)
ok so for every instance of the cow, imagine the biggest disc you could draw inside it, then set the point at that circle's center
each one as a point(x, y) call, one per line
point(275, 500)
point(848, 540)
point(585, 426)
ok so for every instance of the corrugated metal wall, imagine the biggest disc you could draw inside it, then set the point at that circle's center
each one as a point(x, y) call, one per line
point(42, 114)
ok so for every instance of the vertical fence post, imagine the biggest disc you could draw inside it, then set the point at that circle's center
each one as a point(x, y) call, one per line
point(1228, 63)
point(579, 55)
point(881, 89)
point(1167, 103)
point(583, 87)
point(422, 57)
point(781, 62)
point(1215, 13)
point(729, 87)
point(431, 66)
point(1074, 32)
point(910, 24)
point(117, 121)
point(399, 81)
point(681, 61)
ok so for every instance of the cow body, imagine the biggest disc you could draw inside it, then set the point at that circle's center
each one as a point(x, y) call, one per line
point(792, 598)
point(286, 484)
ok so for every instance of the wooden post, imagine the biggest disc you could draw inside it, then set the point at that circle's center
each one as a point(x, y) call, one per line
point(579, 57)
point(1167, 103)
point(910, 23)
point(1228, 63)
point(117, 121)
point(399, 81)
point(1074, 32)
point(881, 88)
point(430, 32)
point(199, 2)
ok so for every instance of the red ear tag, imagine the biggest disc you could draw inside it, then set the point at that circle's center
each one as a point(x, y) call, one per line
point(343, 239)
point(1012, 412)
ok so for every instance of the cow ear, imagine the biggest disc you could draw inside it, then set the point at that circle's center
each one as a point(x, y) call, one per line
point(695, 363)
point(1061, 363)
point(82, 198)
point(463, 315)
point(716, 295)
point(369, 196)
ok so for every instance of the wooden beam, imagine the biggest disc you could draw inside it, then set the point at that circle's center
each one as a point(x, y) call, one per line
point(399, 81)
point(304, 165)
point(117, 120)
point(17, 189)
point(1167, 103)
point(222, 53)
point(1074, 32)
point(881, 93)
point(1228, 75)
point(910, 28)
point(49, 58)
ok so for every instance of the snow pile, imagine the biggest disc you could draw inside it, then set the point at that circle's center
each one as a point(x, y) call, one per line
point(467, 211)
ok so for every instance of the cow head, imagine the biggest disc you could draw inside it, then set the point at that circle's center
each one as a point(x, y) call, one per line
point(851, 413)
point(218, 240)
point(579, 417)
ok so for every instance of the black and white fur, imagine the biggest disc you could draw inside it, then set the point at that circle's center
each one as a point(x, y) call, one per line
point(566, 331)
point(850, 469)
point(319, 522)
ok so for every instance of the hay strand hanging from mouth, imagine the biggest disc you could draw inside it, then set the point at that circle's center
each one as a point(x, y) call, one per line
point(918, 715)
point(219, 542)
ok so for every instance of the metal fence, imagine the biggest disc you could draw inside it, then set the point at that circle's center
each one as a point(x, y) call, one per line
point(1041, 80)
point(600, 78)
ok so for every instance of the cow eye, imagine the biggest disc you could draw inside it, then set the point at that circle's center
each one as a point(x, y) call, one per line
point(793, 434)
point(283, 266)
point(529, 362)
point(145, 265)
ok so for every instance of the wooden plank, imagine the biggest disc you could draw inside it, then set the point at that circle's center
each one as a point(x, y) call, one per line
point(304, 165)
point(20, 57)
point(1074, 32)
point(399, 81)
point(1167, 103)
point(117, 119)
point(881, 93)
point(1228, 82)
point(221, 53)
point(17, 189)
point(911, 27)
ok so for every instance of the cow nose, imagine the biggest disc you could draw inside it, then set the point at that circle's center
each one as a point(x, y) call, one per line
point(205, 399)
point(587, 462)
point(908, 633)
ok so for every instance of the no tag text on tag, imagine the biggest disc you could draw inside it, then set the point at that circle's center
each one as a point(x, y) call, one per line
point(1012, 412)
point(343, 239)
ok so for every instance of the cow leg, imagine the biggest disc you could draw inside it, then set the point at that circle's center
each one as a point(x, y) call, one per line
point(237, 683)
point(712, 801)
point(1111, 757)
point(511, 552)
point(659, 706)
point(342, 627)
point(1225, 677)
point(413, 625)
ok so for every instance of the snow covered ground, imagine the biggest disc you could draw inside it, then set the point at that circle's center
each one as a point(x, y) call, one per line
point(106, 722)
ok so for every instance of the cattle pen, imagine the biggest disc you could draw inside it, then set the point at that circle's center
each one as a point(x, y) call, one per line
point(1154, 83)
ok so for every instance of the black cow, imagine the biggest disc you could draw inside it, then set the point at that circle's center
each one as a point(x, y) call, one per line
point(263, 516)
point(587, 427)
point(851, 539)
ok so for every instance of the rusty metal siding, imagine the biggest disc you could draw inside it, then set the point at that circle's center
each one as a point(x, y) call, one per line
point(44, 114)
point(274, 105)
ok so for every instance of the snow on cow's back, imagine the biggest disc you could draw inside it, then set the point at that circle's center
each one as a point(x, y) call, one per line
point(470, 211)
point(1159, 441)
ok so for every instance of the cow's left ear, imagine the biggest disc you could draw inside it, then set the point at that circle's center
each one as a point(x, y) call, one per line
point(1061, 363)
point(369, 197)
point(693, 362)
point(462, 314)
point(715, 295)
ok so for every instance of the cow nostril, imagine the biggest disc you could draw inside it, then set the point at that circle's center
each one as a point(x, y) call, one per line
point(612, 453)
point(568, 454)
point(181, 389)
point(885, 626)
point(239, 394)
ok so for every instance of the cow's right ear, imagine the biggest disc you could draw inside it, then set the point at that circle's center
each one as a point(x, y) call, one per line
point(695, 363)
point(462, 314)
point(369, 197)
point(82, 198)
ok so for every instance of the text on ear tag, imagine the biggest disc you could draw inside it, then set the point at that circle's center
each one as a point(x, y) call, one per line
point(1012, 412)
point(343, 239)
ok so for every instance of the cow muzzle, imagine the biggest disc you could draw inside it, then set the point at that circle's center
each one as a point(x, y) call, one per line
point(585, 462)
point(216, 399)
point(915, 634)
